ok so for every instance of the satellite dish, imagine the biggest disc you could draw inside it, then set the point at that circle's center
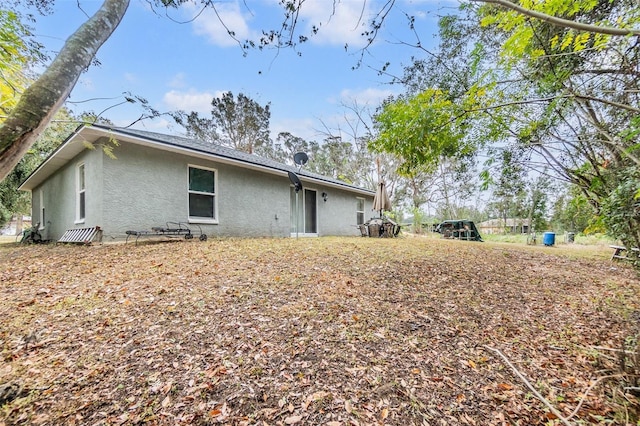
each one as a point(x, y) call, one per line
point(300, 158)
point(295, 180)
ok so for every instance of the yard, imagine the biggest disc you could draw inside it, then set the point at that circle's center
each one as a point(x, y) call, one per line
point(326, 331)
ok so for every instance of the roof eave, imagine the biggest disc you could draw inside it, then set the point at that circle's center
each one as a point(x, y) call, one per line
point(58, 158)
point(84, 134)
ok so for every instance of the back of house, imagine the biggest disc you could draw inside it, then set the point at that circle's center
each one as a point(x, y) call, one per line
point(146, 180)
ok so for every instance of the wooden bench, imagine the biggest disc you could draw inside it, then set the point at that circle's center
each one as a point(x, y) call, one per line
point(620, 252)
point(81, 235)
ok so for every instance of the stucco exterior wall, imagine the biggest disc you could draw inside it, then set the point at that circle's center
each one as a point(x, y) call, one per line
point(146, 187)
point(337, 216)
point(59, 196)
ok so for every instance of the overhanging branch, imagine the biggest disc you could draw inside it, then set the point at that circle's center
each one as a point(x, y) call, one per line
point(566, 23)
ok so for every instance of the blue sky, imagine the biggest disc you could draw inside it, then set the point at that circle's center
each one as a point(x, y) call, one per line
point(183, 65)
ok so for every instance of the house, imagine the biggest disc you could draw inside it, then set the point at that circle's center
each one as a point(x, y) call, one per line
point(157, 178)
point(505, 226)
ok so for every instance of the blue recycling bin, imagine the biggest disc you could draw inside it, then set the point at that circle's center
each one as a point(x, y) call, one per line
point(548, 238)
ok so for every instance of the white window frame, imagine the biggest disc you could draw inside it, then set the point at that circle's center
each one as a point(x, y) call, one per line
point(198, 219)
point(81, 192)
point(358, 212)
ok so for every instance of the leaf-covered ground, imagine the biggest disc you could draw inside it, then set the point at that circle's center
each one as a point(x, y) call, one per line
point(328, 331)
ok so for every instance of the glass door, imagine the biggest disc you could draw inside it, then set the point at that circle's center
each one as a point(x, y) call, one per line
point(304, 212)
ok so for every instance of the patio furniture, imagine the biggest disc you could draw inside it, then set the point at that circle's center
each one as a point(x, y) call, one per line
point(171, 230)
point(379, 228)
point(621, 253)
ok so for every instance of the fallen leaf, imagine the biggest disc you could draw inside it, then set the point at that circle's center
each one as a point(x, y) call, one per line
point(384, 413)
point(166, 401)
point(292, 420)
point(167, 387)
point(348, 407)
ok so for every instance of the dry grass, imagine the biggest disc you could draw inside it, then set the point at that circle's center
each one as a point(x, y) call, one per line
point(336, 331)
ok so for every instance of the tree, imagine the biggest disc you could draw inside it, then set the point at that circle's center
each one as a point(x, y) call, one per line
point(547, 9)
point(287, 145)
point(13, 201)
point(578, 100)
point(565, 100)
point(241, 124)
point(572, 212)
point(621, 209)
point(419, 130)
point(15, 54)
point(42, 99)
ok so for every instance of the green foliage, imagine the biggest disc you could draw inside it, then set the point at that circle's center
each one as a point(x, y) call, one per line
point(15, 54)
point(523, 33)
point(621, 209)
point(333, 160)
point(573, 212)
point(421, 130)
point(418, 219)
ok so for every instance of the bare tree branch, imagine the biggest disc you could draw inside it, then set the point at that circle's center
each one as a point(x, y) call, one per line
point(553, 409)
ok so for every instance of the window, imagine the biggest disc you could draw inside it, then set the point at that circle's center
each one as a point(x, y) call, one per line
point(81, 201)
point(202, 194)
point(42, 217)
point(359, 211)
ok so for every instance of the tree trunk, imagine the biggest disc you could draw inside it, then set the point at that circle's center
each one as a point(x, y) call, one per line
point(45, 96)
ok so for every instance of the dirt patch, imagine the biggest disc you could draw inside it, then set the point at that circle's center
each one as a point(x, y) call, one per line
point(349, 331)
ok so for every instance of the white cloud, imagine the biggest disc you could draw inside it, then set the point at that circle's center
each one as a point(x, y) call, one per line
point(216, 24)
point(340, 25)
point(367, 97)
point(190, 100)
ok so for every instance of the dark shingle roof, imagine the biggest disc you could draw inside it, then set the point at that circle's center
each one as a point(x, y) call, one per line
point(224, 152)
